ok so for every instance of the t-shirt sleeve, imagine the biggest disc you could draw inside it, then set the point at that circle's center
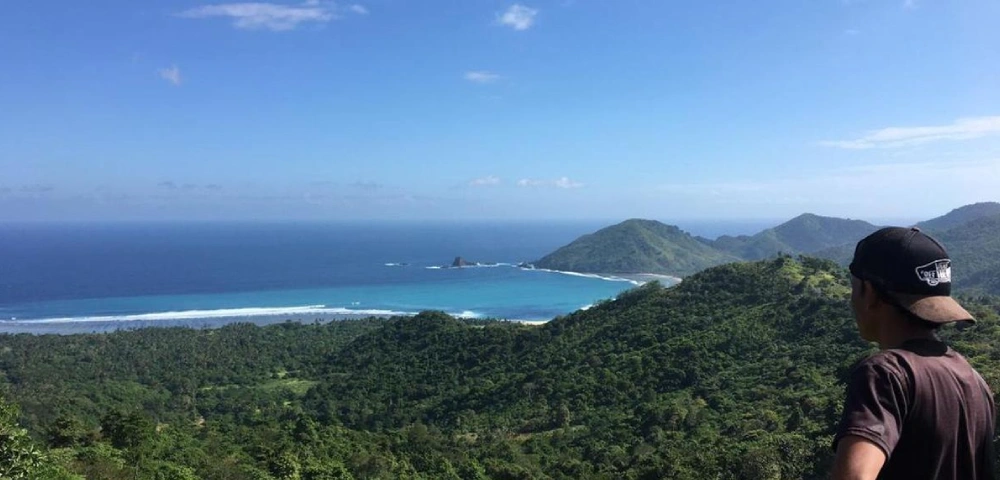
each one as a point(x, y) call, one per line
point(876, 405)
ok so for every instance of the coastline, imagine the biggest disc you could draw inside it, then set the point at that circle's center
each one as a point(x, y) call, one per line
point(644, 278)
point(637, 279)
point(110, 326)
point(207, 317)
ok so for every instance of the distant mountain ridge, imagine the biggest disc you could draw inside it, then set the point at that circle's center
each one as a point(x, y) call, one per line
point(649, 246)
point(807, 233)
point(636, 246)
point(974, 248)
point(971, 234)
point(960, 216)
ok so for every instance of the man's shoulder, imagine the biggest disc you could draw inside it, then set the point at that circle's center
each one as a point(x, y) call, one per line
point(903, 364)
point(890, 360)
point(922, 352)
point(922, 359)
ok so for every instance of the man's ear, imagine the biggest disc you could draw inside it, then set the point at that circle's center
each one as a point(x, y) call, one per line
point(870, 297)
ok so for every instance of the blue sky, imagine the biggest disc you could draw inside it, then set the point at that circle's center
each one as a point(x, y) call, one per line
point(460, 109)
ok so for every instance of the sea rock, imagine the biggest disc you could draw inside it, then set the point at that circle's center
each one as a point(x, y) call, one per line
point(461, 262)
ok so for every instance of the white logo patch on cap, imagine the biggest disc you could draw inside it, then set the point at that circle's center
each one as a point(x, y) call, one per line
point(936, 272)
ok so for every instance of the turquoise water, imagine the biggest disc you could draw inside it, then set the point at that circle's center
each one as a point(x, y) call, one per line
point(69, 279)
point(500, 292)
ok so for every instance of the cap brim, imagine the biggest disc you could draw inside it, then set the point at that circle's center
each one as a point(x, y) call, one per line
point(936, 309)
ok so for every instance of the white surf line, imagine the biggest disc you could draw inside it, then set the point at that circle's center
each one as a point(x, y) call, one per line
point(482, 265)
point(644, 278)
point(608, 278)
point(220, 313)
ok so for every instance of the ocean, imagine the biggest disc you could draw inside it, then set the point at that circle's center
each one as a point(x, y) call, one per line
point(72, 278)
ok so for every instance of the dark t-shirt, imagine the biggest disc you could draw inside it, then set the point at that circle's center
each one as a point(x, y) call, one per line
point(926, 408)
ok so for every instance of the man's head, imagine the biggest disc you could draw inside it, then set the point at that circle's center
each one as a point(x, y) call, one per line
point(902, 274)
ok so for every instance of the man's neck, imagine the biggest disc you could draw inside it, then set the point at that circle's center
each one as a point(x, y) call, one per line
point(897, 330)
point(897, 338)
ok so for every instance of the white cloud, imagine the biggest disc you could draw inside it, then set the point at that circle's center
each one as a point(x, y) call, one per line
point(850, 3)
point(37, 188)
point(886, 189)
point(366, 186)
point(480, 76)
point(894, 137)
point(172, 75)
point(518, 17)
point(267, 16)
point(485, 181)
point(358, 9)
point(563, 182)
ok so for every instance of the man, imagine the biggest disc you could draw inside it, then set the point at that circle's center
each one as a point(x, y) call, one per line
point(916, 409)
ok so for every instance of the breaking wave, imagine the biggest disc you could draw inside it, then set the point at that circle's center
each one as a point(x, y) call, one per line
point(221, 313)
point(609, 278)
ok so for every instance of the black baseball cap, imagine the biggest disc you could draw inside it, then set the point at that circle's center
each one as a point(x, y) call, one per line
point(913, 269)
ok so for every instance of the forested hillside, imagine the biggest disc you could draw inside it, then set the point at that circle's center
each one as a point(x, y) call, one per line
point(636, 246)
point(736, 373)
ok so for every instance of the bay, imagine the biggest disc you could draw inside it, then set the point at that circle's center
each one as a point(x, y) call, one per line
point(69, 278)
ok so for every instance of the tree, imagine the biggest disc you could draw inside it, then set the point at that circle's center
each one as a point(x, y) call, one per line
point(68, 431)
point(132, 432)
point(19, 458)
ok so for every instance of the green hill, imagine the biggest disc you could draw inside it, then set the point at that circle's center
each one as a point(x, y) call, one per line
point(636, 246)
point(736, 373)
point(805, 234)
point(960, 216)
point(974, 247)
point(647, 246)
point(841, 254)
